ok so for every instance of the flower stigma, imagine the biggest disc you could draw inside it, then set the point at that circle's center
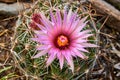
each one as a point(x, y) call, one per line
point(62, 41)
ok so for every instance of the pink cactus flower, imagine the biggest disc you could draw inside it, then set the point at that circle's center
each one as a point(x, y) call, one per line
point(35, 20)
point(34, 26)
point(62, 37)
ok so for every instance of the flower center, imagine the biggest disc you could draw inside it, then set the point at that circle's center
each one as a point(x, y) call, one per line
point(62, 41)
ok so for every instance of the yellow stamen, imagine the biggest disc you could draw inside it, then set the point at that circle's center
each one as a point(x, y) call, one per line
point(62, 40)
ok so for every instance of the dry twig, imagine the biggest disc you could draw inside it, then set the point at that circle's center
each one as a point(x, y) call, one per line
point(107, 8)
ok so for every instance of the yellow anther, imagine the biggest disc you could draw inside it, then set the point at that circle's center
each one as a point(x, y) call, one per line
point(62, 41)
